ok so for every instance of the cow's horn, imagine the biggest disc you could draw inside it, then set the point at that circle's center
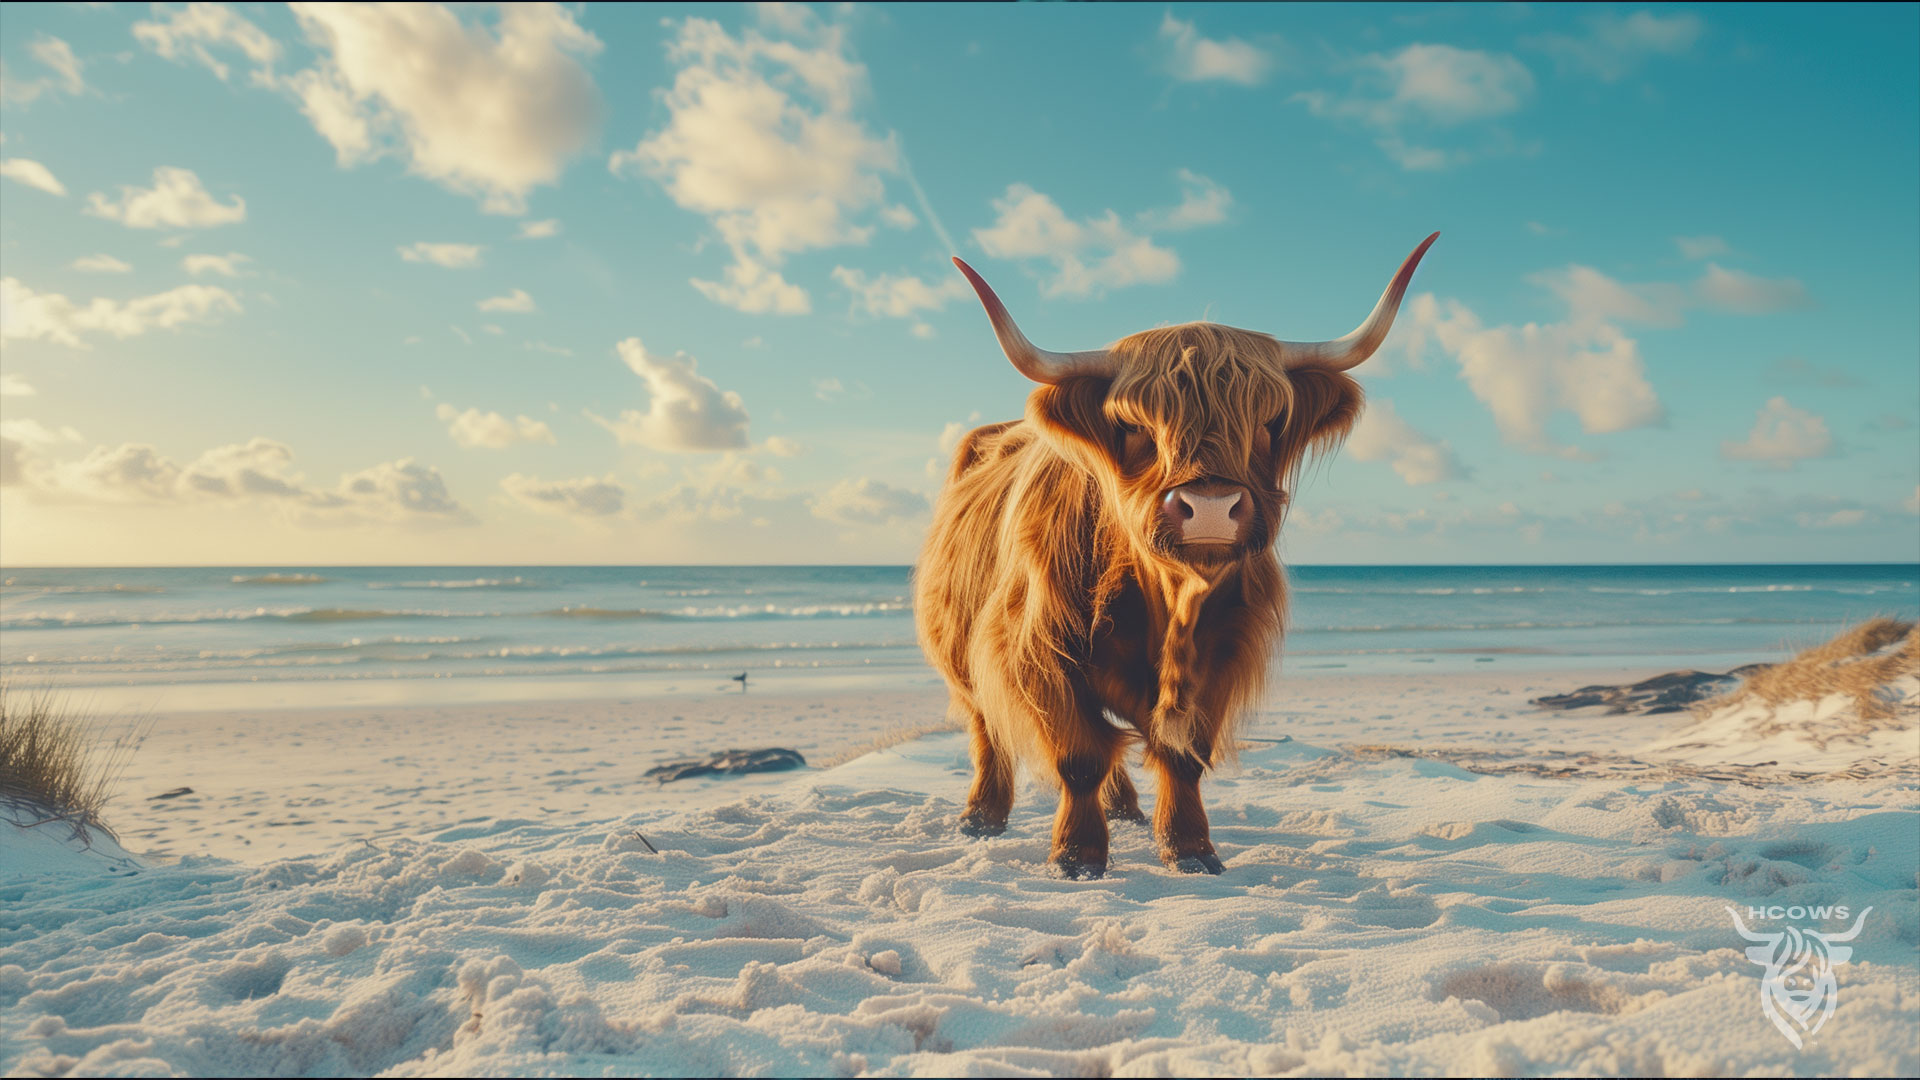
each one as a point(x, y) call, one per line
point(1034, 362)
point(1343, 353)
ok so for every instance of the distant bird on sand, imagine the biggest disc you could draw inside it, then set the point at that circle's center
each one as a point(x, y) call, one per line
point(742, 680)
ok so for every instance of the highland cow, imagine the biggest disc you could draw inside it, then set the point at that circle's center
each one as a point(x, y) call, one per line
point(1102, 571)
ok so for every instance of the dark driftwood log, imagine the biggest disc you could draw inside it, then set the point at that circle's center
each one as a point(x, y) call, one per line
point(772, 759)
point(1672, 692)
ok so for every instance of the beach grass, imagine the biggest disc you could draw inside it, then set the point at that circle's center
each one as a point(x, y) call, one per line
point(1857, 663)
point(57, 763)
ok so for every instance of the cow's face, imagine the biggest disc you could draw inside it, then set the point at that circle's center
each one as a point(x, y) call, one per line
point(1197, 434)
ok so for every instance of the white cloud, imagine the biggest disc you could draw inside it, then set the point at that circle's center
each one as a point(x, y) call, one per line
point(1746, 294)
point(763, 140)
point(473, 429)
point(780, 446)
point(451, 256)
point(899, 296)
point(686, 410)
point(867, 501)
point(55, 55)
point(541, 346)
point(101, 264)
point(1614, 46)
point(1381, 435)
point(1193, 58)
point(539, 230)
point(1202, 202)
point(517, 302)
point(899, 217)
point(828, 389)
point(1524, 374)
point(176, 200)
point(33, 174)
point(1700, 247)
point(27, 315)
point(1424, 87)
point(260, 469)
point(194, 30)
point(227, 265)
point(1782, 435)
point(490, 112)
point(1088, 256)
point(12, 385)
point(585, 497)
point(1913, 503)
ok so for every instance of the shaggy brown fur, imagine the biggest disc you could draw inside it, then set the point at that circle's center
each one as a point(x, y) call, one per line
point(1066, 618)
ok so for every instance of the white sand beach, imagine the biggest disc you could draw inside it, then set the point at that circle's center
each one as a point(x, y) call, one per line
point(510, 897)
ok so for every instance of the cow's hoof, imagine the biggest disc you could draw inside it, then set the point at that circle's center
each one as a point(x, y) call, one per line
point(980, 828)
point(1077, 870)
point(1199, 864)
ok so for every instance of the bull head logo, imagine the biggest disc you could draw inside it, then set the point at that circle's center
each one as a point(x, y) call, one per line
point(1798, 992)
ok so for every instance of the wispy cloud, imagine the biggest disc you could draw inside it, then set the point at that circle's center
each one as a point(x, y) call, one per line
point(177, 200)
point(33, 174)
point(452, 256)
point(1193, 58)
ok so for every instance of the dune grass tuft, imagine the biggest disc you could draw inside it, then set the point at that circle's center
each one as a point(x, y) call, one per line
point(56, 764)
point(1857, 664)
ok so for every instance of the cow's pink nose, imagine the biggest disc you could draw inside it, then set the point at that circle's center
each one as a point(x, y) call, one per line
point(1202, 518)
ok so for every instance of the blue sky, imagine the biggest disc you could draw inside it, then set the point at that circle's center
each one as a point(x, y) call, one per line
point(670, 284)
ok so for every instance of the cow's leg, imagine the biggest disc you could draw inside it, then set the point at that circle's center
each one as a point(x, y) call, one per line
point(1080, 827)
point(1121, 801)
point(1179, 817)
point(992, 794)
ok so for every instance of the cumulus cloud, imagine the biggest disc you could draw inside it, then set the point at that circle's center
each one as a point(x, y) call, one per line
point(1203, 201)
point(57, 57)
point(175, 201)
point(1422, 88)
point(1381, 435)
point(1092, 254)
point(489, 112)
point(101, 264)
point(517, 302)
point(867, 501)
point(587, 496)
point(686, 410)
point(259, 470)
point(193, 31)
point(1192, 58)
point(899, 296)
point(762, 138)
point(33, 174)
point(227, 265)
point(539, 230)
point(473, 429)
point(27, 315)
point(1614, 46)
point(1524, 374)
point(451, 256)
point(1782, 435)
point(12, 385)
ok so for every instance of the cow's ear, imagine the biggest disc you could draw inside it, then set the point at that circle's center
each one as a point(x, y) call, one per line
point(1326, 405)
point(1072, 409)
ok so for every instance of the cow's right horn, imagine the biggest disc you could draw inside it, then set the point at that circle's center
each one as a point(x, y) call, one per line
point(1034, 362)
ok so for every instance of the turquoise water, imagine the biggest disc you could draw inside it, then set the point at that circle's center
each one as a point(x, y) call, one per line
point(121, 627)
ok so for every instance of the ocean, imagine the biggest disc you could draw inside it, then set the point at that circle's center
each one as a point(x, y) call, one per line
point(515, 632)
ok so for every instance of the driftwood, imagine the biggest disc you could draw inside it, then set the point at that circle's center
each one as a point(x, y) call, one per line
point(772, 759)
point(1673, 692)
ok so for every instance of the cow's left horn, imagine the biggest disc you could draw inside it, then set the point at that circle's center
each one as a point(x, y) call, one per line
point(1034, 362)
point(1343, 353)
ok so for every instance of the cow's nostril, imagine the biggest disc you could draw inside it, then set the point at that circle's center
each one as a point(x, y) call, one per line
point(1241, 508)
point(1176, 506)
